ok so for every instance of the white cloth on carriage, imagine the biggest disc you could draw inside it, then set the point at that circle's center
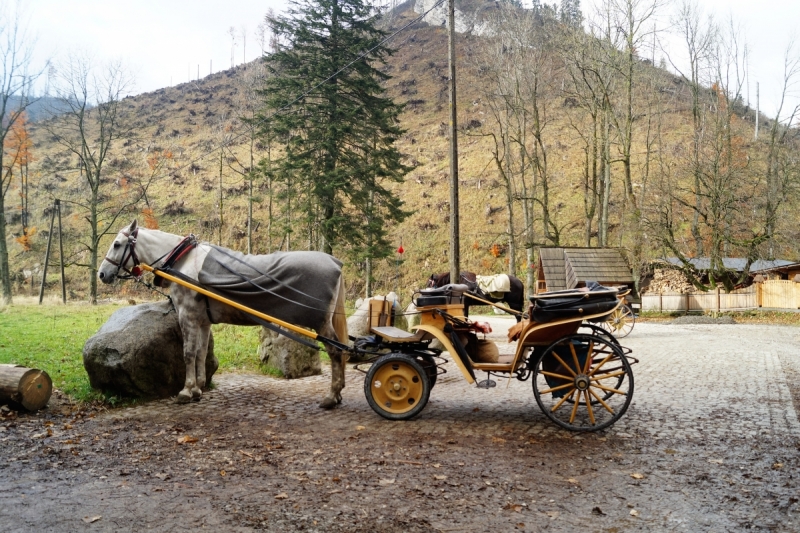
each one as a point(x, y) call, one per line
point(495, 285)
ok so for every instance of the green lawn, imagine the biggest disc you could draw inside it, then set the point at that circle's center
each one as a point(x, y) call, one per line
point(50, 337)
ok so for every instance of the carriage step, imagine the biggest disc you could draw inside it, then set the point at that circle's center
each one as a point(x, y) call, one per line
point(487, 384)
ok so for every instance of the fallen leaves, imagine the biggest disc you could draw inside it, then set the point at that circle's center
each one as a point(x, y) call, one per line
point(281, 496)
point(598, 511)
point(91, 519)
point(187, 439)
point(634, 512)
point(360, 428)
point(777, 466)
point(439, 478)
point(515, 507)
point(637, 475)
point(386, 482)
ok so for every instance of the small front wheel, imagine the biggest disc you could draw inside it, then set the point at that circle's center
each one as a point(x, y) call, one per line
point(583, 382)
point(397, 386)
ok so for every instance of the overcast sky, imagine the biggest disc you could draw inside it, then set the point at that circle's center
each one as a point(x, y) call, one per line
point(165, 41)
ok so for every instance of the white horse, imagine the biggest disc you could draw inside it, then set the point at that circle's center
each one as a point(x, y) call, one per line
point(301, 288)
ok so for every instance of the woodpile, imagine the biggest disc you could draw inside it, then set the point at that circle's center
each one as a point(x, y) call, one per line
point(668, 280)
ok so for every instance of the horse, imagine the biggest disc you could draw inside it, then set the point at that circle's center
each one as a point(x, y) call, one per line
point(515, 298)
point(301, 288)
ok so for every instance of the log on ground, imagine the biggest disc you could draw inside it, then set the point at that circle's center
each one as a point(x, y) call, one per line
point(28, 387)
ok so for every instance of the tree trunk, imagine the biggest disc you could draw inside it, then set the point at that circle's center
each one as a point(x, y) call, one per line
point(27, 387)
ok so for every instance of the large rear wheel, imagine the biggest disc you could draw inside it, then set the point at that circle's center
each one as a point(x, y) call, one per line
point(583, 382)
point(397, 386)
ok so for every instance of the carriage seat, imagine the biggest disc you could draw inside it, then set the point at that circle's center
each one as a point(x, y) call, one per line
point(393, 334)
point(381, 320)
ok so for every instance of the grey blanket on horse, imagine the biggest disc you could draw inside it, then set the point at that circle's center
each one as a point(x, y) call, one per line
point(296, 287)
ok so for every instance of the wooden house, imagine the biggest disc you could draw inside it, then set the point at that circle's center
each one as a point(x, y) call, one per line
point(567, 268)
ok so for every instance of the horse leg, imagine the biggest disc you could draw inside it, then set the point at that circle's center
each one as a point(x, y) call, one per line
point(336, 328)
point(195, 329)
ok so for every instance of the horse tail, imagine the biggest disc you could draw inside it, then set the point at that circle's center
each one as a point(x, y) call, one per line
point(340, 314)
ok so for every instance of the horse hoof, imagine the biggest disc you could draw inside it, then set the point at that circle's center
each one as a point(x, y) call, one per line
point(328, 403)
point(183, 397)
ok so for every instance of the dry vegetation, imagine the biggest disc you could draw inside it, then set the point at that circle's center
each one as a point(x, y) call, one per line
point(179, 130)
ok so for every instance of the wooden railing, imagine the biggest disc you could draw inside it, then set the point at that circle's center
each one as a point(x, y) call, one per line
point(776, 294)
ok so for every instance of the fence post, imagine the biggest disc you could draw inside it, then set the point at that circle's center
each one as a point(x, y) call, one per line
point(719, 305)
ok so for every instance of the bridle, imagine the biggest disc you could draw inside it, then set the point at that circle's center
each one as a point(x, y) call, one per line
point(129, 253)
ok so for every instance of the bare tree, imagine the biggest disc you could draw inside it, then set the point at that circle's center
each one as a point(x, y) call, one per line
point(700, 38)
point(232, 33)
point(90, 122)
point(16, 82)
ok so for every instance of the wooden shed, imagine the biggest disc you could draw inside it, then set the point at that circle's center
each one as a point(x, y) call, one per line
point(567, 268)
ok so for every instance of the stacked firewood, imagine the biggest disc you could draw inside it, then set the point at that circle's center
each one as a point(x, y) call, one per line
point(666, 280)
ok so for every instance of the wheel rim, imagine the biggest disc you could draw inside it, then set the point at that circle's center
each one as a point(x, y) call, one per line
point(583, 383)
point(620, 322)
point(397, 387)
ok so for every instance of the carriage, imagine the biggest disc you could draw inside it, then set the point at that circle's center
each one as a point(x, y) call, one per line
point(581, 380)
point(580, 374)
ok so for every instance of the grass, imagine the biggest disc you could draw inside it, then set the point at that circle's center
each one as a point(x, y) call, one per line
point(51, 337)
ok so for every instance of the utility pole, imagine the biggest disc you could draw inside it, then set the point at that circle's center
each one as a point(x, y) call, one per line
point(455, 244)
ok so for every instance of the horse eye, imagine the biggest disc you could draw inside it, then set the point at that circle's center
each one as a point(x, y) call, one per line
point(116, 245)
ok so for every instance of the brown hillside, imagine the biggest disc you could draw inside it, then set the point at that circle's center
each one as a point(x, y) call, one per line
point(184, 126)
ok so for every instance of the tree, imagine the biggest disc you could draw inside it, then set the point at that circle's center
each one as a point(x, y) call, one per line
point(18, 147)
point(324, 99)
point(90, 122)
point(16, 81)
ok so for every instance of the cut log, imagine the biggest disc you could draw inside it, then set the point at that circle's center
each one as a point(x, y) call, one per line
point(27, 387)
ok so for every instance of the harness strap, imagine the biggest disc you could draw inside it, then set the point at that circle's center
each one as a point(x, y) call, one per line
point(184, 247)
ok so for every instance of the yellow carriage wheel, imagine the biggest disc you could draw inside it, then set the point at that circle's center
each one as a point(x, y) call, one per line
point(583, 382)
point(620, 322)
point(397, 386)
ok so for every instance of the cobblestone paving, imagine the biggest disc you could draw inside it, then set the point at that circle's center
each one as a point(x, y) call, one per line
point(709, 443)
point(696, 381)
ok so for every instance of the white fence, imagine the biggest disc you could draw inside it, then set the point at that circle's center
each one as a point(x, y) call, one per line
point(778, 294)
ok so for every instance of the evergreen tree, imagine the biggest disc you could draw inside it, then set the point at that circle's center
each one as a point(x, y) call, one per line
point(570, 13)
point(338, 127)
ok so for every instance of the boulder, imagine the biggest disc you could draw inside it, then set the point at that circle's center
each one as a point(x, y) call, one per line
point(292, 359)
point(139, 353)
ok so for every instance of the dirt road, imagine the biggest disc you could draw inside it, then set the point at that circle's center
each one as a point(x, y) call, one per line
point(710, 443)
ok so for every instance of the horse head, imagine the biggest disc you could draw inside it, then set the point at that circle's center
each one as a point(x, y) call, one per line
point(121, 255)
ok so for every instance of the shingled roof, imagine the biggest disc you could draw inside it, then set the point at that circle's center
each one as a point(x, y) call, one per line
point(565, 268)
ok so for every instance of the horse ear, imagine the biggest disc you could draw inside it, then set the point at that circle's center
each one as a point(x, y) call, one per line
point(133, 226)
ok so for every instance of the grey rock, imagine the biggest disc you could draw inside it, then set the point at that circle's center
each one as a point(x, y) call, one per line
point(138, 352)
point(292, 359)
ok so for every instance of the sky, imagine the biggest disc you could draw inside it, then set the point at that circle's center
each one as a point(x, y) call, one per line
point(164, 42)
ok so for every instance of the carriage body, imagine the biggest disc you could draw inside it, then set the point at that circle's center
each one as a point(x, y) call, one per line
point(582, 381)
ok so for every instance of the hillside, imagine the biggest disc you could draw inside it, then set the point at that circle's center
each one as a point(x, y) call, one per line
point(183, 127)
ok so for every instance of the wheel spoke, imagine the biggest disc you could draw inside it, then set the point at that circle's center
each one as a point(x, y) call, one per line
point(589, 357)
point(609, 389)
point(564, 399)
point(575, 409)
point(604, 361)
point(589, 407)
point(604, 404)
point(565, 365)
point(600, 377)
point(574, 357)
point(560, 387)
point(554, 375)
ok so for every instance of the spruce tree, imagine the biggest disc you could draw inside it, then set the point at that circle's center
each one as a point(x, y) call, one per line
point(338, 126)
